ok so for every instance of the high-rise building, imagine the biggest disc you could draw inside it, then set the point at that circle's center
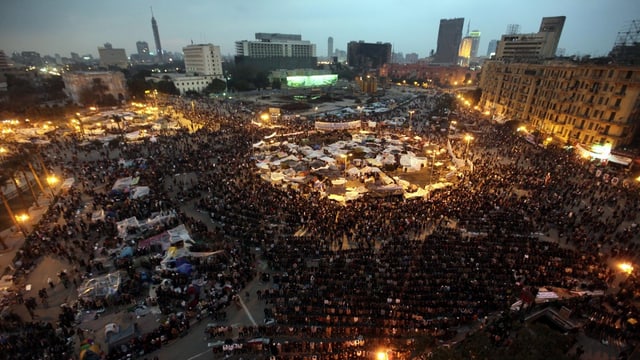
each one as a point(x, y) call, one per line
point(330, 47)
point(203, 59)
point(4, 61)
point(411, 58)
point(534, 46)
point(552, 26)
point(464, 54)
point(586, 103)
point(365, 56)
point(143, 48)
point(156, 38)
point(112, 57)
point(475, 42)
point(272, 51)
point(31, 58)
point(449, 37)
point(491, 49)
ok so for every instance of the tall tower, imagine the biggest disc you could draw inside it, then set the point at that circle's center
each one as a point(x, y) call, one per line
point(449, 38)
point(156, 37)
point(330, 47)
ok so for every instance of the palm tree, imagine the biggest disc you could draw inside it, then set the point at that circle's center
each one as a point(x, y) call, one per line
point(3, 180)
point(10, 167)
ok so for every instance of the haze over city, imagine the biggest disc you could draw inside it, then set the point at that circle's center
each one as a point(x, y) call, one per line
point(410, 26)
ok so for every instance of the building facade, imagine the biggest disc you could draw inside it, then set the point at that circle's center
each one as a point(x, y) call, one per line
point(475, 42)
point(540, 45)
point(203, 59)
point(362, 55)
point(330, 47)
point(449, 37)
point(491, 48)
point(276, 45)
point(112, 57)
point(272, 51)
point(76, 82)
point(586, 104)
point(191, 83)
point(464, 54)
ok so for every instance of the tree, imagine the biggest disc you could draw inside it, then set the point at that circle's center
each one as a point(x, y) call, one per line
point(217, 86)
point(167, 87)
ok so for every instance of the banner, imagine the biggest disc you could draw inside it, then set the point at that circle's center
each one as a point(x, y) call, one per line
point(328, 126)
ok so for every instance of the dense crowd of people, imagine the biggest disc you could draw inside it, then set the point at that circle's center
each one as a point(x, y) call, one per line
point(376, 269)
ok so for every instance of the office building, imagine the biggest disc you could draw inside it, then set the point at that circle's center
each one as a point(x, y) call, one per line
point(449, 37)
point(271, 51)
point(330, 47)
point(464, 54)
point(491, 49)
point(533, 46)
point(156, 38)
point(203, 59)
point(411, 58)
point(577, 103)
point(475, 42)
point(142, 55)
point(112, 57)
point(4, 61)
point(365, 56)
point(75, 83)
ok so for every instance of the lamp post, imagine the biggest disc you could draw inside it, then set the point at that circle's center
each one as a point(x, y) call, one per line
point(346, 159)
point(468, 139)
point(411, 119)
point(22, 219)
point(52, 180)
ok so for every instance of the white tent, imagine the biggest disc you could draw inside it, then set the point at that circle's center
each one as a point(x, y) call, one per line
point(140, 191)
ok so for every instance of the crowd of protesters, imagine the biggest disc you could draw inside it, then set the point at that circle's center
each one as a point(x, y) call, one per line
point(377, 268)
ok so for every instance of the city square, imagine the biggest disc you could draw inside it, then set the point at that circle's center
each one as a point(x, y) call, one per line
point(178, 183)
point(382, 270)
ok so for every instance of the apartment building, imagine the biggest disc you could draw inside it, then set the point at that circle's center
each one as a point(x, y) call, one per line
point(585, 104)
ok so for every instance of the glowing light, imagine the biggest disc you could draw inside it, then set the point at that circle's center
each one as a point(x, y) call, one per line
point(468, 138)
point(602, 151)
point(521, 128)
point(51, 180)
point(382, 355)
point(264, 117)
point(22, 217)
point(626, 267)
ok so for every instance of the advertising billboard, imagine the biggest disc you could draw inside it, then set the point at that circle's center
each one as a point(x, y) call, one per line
point(311, 81)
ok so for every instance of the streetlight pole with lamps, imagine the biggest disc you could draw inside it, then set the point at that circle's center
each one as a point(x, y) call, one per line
point(411, 119)
point(468, 139)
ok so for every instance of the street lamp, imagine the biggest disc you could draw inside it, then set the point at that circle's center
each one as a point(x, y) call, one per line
point(346, 159)
point(411, 119)
point(21, 220)
point(468, 139)
point(52, 180)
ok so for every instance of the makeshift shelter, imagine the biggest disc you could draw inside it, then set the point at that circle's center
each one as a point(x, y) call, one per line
point(139, 191)
point(100, 287)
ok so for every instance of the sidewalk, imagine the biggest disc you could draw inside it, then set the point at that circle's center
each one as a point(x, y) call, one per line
point(15, 239)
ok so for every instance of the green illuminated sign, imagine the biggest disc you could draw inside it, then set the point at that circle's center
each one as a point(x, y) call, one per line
point(311, 81)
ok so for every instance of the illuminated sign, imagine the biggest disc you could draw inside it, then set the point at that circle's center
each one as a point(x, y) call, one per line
point(311, 81)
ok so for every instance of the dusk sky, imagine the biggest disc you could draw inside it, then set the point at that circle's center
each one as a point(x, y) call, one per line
point(63, 26)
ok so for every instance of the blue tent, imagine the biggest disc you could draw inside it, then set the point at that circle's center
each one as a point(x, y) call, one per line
point(184, 269)
point(126, 252)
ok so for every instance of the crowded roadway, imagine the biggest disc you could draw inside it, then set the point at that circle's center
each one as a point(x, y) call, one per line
point(376, 273)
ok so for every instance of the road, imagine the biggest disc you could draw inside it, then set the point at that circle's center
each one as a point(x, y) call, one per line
point(195, 344)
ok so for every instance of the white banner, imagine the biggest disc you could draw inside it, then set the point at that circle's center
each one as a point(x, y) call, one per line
point(321, 125)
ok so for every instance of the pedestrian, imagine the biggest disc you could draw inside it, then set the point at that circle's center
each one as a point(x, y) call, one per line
point(50, 282)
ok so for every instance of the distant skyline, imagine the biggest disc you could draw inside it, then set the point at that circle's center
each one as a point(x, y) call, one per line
point(411, 26)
